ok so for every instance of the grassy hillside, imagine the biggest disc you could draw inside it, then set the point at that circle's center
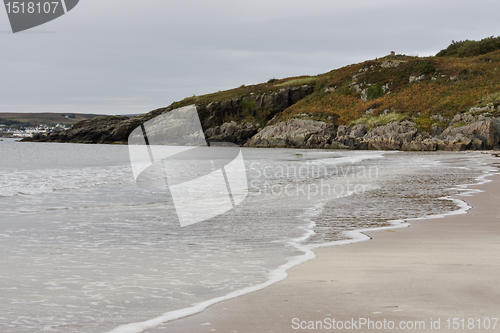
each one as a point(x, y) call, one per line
point(263, 88)
point(20, 120)
point(429, 91)
point(450, 86)
point(465, 74)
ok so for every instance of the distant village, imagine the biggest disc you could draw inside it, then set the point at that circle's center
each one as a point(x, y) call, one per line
point(26, 132)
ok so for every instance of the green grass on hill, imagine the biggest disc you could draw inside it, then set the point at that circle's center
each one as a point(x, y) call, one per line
point(471, 48)
point(465, 74)
point(380, 120)
point(450, 86)
point(272, 85)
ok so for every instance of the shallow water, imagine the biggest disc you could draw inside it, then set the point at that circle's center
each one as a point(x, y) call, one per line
point(84, 249)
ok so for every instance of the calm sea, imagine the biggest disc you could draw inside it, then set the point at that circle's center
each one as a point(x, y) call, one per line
point(84, 249)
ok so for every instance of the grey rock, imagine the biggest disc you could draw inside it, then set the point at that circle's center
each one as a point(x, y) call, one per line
point(364, 95)
point(391, 136)
point(467, 118)
point(416, 79)
point(355, 87)
point(389, 64)
point(229, 128)
point(436, 130)
point(456, 119)
point(359, 130)
point(231, 132)
point(294, 133)
point(212, 131)
point(342, 130)
point(481, 130)
point(386, 89)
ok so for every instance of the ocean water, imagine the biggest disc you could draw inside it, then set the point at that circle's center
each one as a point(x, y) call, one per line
point(83, 248)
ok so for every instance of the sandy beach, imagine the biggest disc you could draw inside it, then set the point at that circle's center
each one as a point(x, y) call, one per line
point(438, 274)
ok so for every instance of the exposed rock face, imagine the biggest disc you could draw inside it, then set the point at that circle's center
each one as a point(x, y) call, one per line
point(106, 129)
point(416, 79)
point(478, 135)
point(389, 64)
point(221, 121)
point(359, 130)
point(97, 130)
point(231, 132)
point(391, 136)
point(295, 133)
point(263, 106)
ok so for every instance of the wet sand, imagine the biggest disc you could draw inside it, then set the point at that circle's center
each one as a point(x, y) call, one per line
point(418, 276)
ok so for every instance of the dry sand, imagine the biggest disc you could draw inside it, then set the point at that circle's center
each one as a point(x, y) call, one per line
point(437, 268)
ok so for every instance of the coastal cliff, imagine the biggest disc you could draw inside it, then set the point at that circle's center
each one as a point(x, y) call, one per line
point(232, 120)
point(481, 133)
point(398, 102)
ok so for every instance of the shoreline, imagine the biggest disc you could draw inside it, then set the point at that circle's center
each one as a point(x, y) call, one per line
point(188, 319)
point(439, 268)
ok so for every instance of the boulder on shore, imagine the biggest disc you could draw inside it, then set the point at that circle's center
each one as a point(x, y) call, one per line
point(294, 133)
point(396, 135)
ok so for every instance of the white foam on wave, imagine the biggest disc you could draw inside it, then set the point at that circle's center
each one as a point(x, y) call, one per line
point(353, 236)
point(27, 182)
point(275, 276)
point(358, 235)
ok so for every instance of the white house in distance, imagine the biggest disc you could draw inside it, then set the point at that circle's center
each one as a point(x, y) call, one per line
point(30, 131)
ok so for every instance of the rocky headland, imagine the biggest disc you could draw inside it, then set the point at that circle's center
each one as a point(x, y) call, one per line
point(448, 102)
point(475, 133)
point(468, 131)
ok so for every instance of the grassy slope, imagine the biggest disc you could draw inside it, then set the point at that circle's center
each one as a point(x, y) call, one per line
point(242, 91)
point(459, 84)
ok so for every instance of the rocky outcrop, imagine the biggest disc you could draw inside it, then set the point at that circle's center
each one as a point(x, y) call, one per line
point(255, 106)
point(97, 130)
point(225, 121)
point(232, 132)
point(106, 129)
point(296, 133)
point(396, 135)
point(479, 135)
point(391, 136)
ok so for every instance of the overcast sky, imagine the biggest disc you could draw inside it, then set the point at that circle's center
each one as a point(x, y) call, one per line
point(127, 57)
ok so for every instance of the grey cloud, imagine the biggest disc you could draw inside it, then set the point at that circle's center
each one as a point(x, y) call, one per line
point(115, 56)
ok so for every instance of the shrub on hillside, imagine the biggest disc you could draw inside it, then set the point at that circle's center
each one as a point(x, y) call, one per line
point(471, 48)
point(374, 91)
point(422, 67)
